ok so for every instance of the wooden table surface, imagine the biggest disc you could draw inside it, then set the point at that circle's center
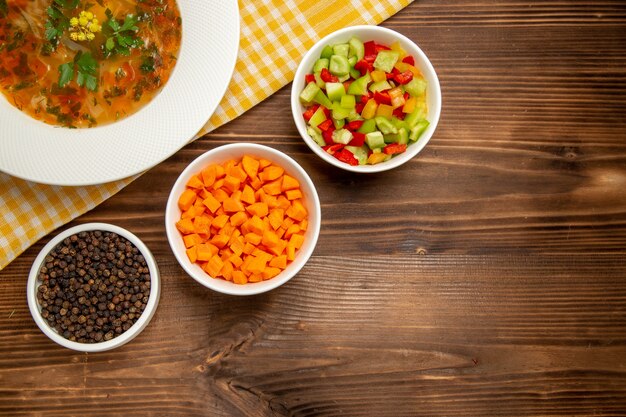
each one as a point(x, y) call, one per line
point(486, 277)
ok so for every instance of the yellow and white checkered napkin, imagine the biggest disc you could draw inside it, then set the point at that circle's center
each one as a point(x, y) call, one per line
point(275, 34)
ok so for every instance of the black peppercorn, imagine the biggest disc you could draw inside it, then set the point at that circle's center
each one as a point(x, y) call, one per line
point(94, 286)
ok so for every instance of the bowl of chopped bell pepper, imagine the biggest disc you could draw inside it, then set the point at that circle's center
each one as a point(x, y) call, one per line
point(366, 99)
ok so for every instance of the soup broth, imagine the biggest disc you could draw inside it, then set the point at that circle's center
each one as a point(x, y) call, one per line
point(77, 64)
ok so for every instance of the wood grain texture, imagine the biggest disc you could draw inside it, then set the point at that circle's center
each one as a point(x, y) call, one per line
point(486, 277)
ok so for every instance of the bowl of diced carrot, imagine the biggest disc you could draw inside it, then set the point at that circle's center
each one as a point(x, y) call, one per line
point(243, 219)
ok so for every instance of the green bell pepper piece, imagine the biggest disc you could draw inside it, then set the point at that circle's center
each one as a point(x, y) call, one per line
point(339, 65)
point(385, 60)
point(368, 126)
point(321, 98)
point(309, 92)
point(327, 52)
point(359, 86)
point(356, 48)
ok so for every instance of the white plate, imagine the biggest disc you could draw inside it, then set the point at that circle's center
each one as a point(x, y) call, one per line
point(35, 151)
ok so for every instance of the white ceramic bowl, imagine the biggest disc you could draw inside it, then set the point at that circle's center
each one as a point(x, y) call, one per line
point(220, 155)
point(128, 335)
point(384, 36)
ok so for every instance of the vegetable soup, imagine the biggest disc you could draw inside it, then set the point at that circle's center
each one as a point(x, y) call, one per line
point(77, 63)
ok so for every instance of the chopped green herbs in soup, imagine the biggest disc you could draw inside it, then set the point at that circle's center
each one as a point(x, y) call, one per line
point(77, 63)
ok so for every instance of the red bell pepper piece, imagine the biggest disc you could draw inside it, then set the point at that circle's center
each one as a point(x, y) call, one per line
point(332, 148)
point(347, 157)
point(380, 47)
point(328, 136)
point(358, 139)
point(370, 58)
point(309, 112)
point(309, 78)
point(406, 96)
point(325, 125)
point(360, 106)
point(409, 60)
point(382, 98)
point(403, 78)
point(399, 113)
point(326, 111)
point(363, 66)
point(394, 148)
point(354, 125)
point(327, 77)
point(370, 48)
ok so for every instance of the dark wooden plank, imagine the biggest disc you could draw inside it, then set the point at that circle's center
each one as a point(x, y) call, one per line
point(485, 277)
point(450, 334)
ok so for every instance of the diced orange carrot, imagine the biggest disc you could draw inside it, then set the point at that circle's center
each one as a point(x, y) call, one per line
point(220, 195)
point(273, 188)
point(192, 240)
point(214, 266)
point(231, 183)
point(279, 248)
point(205, 251)
point(283, 202)
point(220, 240)
point(185, 226)
point(189, 213)
point(186, 199)
point(256, 183)
point(247, 195)
point(238, 172)
point(250, 165)
point(293, 194)
point(271, 173)
point(237, 246)
point(294, 228)
point(270, 239)
point(208, 175)
point(239, 278)
point(238, 218)
point(192, 254)
point(217, 184)
point(296, 240)
point(253, 238)
point(287, 222)
point(242, 220)
point(195, 182)
point(257, 265)
point(248, 248)
point(279, 261)
point(255, 278)
point(236, 260)
point(232, 206)
point(220, 221)
point(291, 252)
point(263, 163)
point(227, 271)
point(270, 272)
point(256, 225)
point(219, 171)
point(289, 183)
point(276, 217)
point(211, 203)
point(258, 209)
point(297, 211)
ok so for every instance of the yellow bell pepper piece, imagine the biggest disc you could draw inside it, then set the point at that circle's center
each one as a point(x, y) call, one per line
point(409, 106)
point(377, 158)
point(396, 47)
point(369, 111)
point(403, 66)
point(384, 110)
point(378, 76)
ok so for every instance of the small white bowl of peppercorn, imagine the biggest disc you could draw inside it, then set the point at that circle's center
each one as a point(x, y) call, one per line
point(93, 287)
